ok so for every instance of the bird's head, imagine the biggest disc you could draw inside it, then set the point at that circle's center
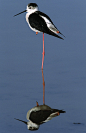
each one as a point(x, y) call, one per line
point(32, 126)
point(31, 8)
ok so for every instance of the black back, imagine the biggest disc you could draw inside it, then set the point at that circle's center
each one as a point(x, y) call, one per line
point(38, 23)
point(39, 117)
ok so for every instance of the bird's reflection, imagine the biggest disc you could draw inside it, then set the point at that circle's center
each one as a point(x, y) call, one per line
point(40, 113)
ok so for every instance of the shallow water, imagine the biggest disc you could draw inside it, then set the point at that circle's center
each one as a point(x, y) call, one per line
point(64, 67)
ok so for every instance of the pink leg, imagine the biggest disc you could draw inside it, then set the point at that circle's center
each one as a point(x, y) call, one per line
point(43, 52)
point(37, 104)
point(43, 88)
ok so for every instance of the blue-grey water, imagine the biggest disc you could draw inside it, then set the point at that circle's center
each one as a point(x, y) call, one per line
point(64, 66)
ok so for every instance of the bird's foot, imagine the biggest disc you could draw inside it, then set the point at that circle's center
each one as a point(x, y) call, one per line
point(37, 104)
point(36, 33)
point(57, 113)
point(57, 32)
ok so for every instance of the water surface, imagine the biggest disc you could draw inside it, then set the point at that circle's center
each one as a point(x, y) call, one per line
point(64, 66)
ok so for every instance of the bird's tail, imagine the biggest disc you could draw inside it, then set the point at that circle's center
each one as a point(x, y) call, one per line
point(53, 34)
point(56, 110)
point(61, 111)
point(61, 33)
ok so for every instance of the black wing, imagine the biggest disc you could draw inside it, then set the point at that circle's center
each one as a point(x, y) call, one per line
point(38, 23)
point(39, 117)
point(44, 15)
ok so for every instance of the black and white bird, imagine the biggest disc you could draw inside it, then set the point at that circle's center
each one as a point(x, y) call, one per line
point(39, 115)
point(40, 22)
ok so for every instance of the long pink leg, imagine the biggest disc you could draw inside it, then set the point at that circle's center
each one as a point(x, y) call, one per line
point(43, 52)
point(43, 88)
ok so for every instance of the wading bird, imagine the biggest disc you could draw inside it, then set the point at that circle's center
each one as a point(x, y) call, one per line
point(39, 115)
point(40, 22)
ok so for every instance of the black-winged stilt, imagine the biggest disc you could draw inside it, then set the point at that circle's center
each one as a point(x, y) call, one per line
point(40, 22)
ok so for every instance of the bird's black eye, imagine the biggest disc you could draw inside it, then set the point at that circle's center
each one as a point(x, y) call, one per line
point(30, 128)
point(30, 7)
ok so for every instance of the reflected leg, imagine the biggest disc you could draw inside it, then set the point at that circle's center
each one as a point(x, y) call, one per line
point(37, 104)
point(43, 88)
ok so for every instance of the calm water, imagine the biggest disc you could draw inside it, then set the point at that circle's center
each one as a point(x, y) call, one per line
point(64, 66)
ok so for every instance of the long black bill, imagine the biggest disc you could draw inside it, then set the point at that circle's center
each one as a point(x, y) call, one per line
point(19, 13)
point(21, 121)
